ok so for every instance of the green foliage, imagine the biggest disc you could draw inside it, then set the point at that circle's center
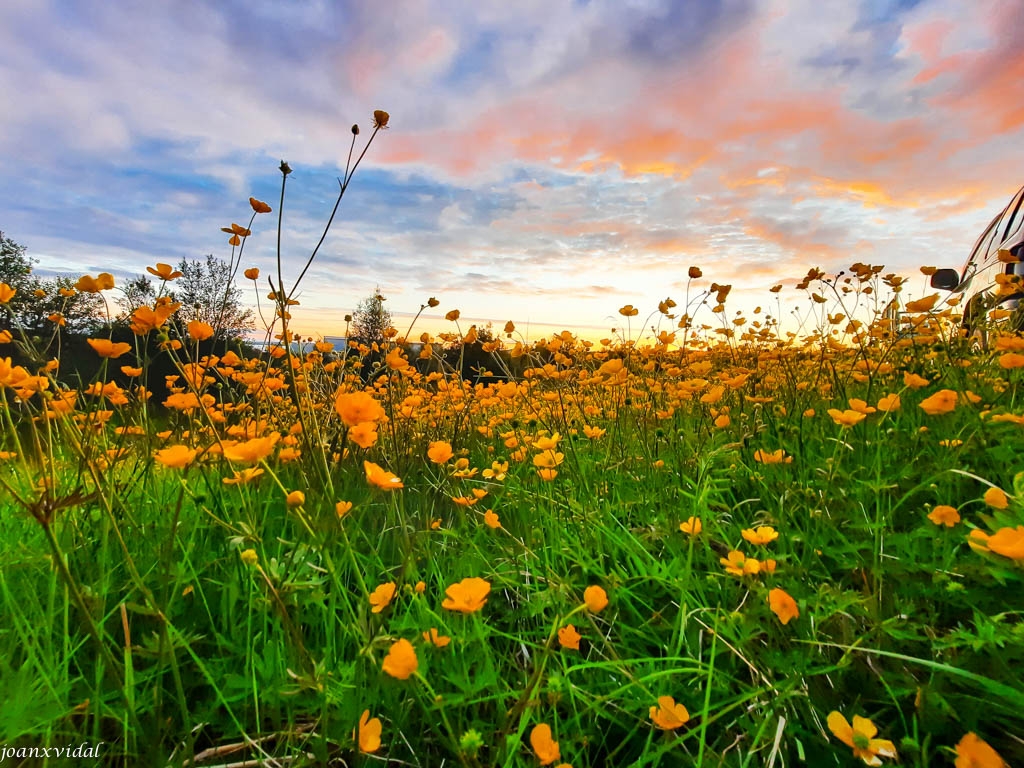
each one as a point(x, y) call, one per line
point(370, 320)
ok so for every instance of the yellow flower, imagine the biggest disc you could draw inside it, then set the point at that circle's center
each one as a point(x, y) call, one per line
point(453, 315)
point(1011, 360)
point(467, 596)
point(972, 752)
point(401, 660)
point(295, 499)
point(108, 348)
point(595, 598)
point(668, 715)
point(380, 477)
point(342, 508)
point(762, 535)
point(491, 519)
point(420, 588)
point(381, 597)
point(199, 331)
point(1008, 542)
point(629, 311)
point(860, 406)
point(944, 515)
point(783, 605)
point(252, 273)
point(176, 456)
point(260, 207)
point(249, 556)
point(568, 637)
point(369, 733)
point(692, 526)
point(922, 305)
point(131, 372)
point(545, 747)
point(440, 452)
point(6, 293)
point(846, 418)
point(861, 737)
point(996, 498)
point(102, 282)
point(941, 402)
point(436, 639)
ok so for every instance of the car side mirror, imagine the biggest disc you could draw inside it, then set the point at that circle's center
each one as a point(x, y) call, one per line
point(946, 279)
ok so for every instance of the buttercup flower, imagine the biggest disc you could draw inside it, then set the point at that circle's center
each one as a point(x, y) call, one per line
point(944, 515)
point(164, 271)
point(691, 525)
point(401, 660)
point(764, 534)
point(440, 452)
point(435, 639)
point(996, 498)
point(369, 733)
point(545, 747)
point(861, 736)
point(783, 605)
point(668, 715)
point(596, 598)
point(467, 596)
point(176, 456)
point(380, 477)
point(568, 637)
point(381, 597)
point(941, 402)
point(108, 348)
point(972, 752)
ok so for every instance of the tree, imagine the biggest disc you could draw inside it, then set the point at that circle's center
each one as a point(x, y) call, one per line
point(370, 320)
point(37, 300)
point(207, 294)
point(137, 292)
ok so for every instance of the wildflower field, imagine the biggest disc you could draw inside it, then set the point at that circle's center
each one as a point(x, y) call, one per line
point(702, 541)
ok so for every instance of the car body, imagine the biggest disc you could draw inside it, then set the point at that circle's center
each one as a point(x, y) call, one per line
point(989, 277)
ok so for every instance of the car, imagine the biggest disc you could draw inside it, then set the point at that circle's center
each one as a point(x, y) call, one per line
point(992, 275)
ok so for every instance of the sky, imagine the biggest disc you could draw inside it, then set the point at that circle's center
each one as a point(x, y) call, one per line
point(546, 161)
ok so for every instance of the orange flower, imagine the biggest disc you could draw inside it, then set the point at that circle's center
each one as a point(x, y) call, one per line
point(545, 747)
point(941, 402)
point(252, 273)
point(369, 733)
point(440, 452)
point(739, 565)
point(102, 282)
point(944, 515)
point(595, 598)
point(364, 435)
point(251, 451)
point(380, 477)
point(1011, 360)
point(914, 381)
point(775, 457)
point(861, 737)
point(401, 660)
point(783, 605)
point(357, 407)
point(164, 272)
point(846, 418)
point(6, 293)
point(860, 406)
point(436, 639)
point(295, 499)
point(629, 311)
point(1008, 542)
point(996, 498)
point(922, 305)
point(491, 519)
point(199, 331)
point(176, 457)
point(453, 315)
point(235, 229)
point(131, 372)
point(668, 715)
point(467, 596)
point(692, 526)
point(381, 597)
point(380, 118)
point(568, 637)
point(243, 477)
point(693, 273)
point(108, 348)
point(889, 403)
point(762, 535)
point(260, 207)
point(972, 752)
point(342, 508)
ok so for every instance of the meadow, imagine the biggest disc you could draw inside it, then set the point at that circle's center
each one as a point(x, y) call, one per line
point(702, 541)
